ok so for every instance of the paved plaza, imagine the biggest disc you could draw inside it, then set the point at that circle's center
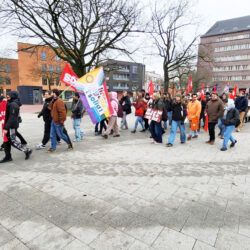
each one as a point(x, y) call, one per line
point(125, 193)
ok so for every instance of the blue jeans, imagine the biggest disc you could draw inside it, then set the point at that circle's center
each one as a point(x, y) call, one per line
point(77, 128)
point(228, 135)
point(221, 127)
point(57, 129)
point(139, 119)
point(174, 127)
point(156, 131)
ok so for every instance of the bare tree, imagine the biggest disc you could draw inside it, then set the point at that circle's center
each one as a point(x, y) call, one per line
point(168, 24)
point(79, 31)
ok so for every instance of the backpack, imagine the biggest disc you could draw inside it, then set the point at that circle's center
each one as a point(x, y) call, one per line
point(120, 111)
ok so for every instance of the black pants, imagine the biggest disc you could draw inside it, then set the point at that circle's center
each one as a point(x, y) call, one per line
point(102, 126)
point(146, 123)
point(46, 135)
point(211, 129)
point(66, 133)
point(11, 135)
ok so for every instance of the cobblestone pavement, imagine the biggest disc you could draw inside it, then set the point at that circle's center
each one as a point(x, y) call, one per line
point(125, 193)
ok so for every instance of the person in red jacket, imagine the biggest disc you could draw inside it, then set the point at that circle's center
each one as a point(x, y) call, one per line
point(140, 107)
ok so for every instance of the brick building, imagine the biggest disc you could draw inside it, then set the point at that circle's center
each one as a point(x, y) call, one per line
point(224, 54)
point(36, 70)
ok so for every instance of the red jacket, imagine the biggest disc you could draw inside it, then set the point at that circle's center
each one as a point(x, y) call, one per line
point(140, 107)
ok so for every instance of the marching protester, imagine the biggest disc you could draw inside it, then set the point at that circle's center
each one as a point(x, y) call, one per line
point(168, 107)
point(46, 114)
point(126, 108)
point(140, 107)
point(194, 111)
point(147, 101)
point(102, 124)
point(77, 114)
point(221, 126)
point(203, 108)
point(179, 113)
point(112, 125)
point(12, 119)
point(231, 119)
point(155, 125)
point(241, 104)
point(214, 110)
point(58, 114)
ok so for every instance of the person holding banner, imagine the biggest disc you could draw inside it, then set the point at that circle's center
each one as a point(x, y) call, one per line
point(112, 125)
point(155, 125)
point(194, 111)
point(59, 114)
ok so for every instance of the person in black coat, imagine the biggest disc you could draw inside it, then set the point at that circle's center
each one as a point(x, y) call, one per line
point(126, 107)
point(230, 120)
point(241, 104)
point(12, 120)
point(46, 114)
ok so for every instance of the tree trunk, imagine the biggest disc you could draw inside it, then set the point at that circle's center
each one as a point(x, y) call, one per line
point(166, 80)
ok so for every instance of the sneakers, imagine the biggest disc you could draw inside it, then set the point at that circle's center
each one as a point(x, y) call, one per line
point(233, 144)
point(6, 160)
point(133, 131)
point(223, 149)
point(116, 135)
point(189, 138)
point(105, 136)
point(169, 145)
point(70, 146)
point(195, 136)
point(27, 154)
point(144, 130)
point(51, 150)
point(40, 146)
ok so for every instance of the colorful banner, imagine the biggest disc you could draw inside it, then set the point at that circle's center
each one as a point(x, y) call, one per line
point(93, 92)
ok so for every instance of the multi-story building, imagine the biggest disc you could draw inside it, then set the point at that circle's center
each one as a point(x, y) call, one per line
point(36, 70)
point(224, 54)
point(124, 75)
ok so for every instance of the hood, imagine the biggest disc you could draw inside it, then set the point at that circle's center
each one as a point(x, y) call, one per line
point(113, 95)
point(13, 95)
point(49, 99)
point(230, 104)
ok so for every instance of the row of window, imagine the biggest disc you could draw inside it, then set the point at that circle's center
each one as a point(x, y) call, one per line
point(231, 38)
point(5, 68)
point(233, 47)
point(51, 68)
point(120, 86)
point(5, 80)
point(231, 58)
point(51, 81)
point(124, 77)
point(231, 78)
point(44, 57)
point(231, 68)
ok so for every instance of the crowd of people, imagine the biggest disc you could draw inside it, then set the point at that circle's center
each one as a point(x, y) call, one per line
point(155, 113)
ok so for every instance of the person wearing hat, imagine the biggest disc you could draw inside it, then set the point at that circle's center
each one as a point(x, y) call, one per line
point(59, 115)
point(12, 120)
point(77, 113)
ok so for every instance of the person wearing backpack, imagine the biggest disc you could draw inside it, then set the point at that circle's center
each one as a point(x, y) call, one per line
point(77, 112)
point(140, 107)
point(231, 119)
point(179, 113)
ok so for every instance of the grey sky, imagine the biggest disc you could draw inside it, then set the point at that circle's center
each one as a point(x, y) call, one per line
point(209, 12)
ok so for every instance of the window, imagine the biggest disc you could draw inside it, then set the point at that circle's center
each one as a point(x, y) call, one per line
point(58, 81)
point(7, 68)
point(57, 58)
point(58, 69)
point(134, 69)
point(44, 80)
point(124, 77)
point(43, 56)
point(1, 80)
point(51, 81)
point(8, 81)
point(51, 68)
point(44, 67)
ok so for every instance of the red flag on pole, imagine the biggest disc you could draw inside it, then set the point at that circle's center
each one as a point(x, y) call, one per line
point(233, 94)
point(151, 88)
point(203, 97)
point(68, 76)
point(189, 85)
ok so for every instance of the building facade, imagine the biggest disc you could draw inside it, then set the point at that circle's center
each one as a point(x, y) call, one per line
point(224, 54)
point(122, 75)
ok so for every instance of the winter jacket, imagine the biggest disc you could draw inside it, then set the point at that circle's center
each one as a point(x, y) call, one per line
point(241, 103)
point(58, 111)
point(77, 109)
point(232, 117)
point(114, 103)
point(45, 112)
point(12, 111)
point(194, 110)
point(168, 105)
point(179, 112)
point(140, 107)
point(126, 104)
point(158, 105)
point(215, 110)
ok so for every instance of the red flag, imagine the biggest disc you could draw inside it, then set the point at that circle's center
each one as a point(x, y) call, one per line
point(3, 105)
point(233, 94)
point(215, 88)
point(68, 76)
point(151, 88)
point(189, 85)
point(203, 97)
point(206, 123)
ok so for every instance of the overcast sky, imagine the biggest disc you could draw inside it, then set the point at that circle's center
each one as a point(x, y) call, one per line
point(209, 12)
